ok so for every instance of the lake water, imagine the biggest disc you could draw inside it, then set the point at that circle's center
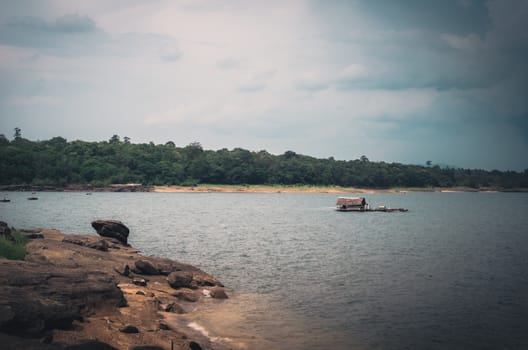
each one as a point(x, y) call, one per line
point(452, 273)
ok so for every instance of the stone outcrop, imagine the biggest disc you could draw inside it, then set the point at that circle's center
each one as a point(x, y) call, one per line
point(112, 228)
point(180, 279)
point(88, 241)
point(145, 268)
point(129, 329)
point(218, 293)
point(79, 292)
point(31, 234)
point(35, 298)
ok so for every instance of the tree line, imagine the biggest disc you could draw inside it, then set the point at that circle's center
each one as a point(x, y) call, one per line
point(58, 162)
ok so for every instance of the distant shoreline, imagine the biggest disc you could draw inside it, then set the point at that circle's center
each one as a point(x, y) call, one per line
point(315, 189)
point(211, 188)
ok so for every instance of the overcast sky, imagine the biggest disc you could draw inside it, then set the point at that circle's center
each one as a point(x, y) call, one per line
point(398, 81)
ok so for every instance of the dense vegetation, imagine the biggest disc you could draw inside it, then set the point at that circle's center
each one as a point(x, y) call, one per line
point(58, 162)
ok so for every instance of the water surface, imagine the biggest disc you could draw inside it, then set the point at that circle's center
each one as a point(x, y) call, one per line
point(452, 273)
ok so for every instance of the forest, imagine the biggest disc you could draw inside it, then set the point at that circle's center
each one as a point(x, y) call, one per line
point(58, 162)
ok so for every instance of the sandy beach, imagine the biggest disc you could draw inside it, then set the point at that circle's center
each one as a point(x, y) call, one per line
point(272, 189)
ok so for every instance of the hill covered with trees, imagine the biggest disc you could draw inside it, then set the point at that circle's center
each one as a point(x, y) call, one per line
point(58, 162)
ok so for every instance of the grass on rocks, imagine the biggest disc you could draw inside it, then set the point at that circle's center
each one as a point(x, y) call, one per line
point(14, 250)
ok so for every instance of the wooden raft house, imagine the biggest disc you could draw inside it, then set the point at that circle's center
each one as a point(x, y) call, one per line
point(351, 204)
point(360, 204)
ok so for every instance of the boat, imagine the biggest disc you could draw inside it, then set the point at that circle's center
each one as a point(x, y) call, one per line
point(351, 204)
point(5, 200)
point(389, 210)
point(32, 198)
point(361, 205)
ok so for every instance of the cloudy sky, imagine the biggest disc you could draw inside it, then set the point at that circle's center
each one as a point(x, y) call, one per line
point(398, 81)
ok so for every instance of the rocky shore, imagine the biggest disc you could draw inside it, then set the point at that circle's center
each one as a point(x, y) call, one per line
point(97, 292)
point(79, 188)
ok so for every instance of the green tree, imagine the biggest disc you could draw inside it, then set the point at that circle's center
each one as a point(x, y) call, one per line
point(114, 139)
point(18, 133)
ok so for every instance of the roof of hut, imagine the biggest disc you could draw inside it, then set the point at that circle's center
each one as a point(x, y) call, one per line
point(351, 201)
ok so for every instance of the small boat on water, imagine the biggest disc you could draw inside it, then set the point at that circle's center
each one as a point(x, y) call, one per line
point(5, 200)
point(389, 210)
point(32, 198)
point(360, 204)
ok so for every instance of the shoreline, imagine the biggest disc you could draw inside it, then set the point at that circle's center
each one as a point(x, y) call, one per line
point(212, 188)
point(76, 291)
point(316, 189)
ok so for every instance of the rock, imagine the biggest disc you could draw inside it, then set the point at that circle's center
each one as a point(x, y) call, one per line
point(195, 346)
point(201, 280)
point(87, 241)
point(146, 268)
point(35, 297)
point(68, 289)
point(32, 235)
point(187, 296)
point(129, 329)
point(9, 342)
point(218, 293)
point(180, 279)
point(124, 271)
point(112, 228)
point(139, 282)
point(47, 339)
point(174, 308)
point(164, 326)
point(5, 231)
point(90, 345)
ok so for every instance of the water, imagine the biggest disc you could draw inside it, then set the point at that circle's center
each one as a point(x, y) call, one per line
point(452, 273)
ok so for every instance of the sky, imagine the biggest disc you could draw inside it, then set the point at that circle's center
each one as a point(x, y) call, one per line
point(396, 81)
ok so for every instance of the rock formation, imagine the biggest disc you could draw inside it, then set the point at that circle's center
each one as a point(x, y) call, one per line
point(79, 292)
point(112, 228)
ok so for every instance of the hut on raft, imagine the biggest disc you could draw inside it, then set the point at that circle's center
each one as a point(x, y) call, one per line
point(351, 204)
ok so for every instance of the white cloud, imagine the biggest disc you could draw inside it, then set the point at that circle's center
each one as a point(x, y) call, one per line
point(312, 80)
point(170, 53)
point(228, 63)
point(468, 42)
point(353, 71)
point(33, 100)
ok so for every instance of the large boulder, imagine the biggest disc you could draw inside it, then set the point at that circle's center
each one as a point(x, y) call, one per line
point(145, 268)
point(180, 279)
point(218, 293)
point(112, 229)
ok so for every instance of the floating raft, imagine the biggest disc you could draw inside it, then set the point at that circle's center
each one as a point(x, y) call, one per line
point(360, 204)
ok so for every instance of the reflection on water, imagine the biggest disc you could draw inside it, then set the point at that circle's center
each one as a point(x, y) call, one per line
point(450, 273)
